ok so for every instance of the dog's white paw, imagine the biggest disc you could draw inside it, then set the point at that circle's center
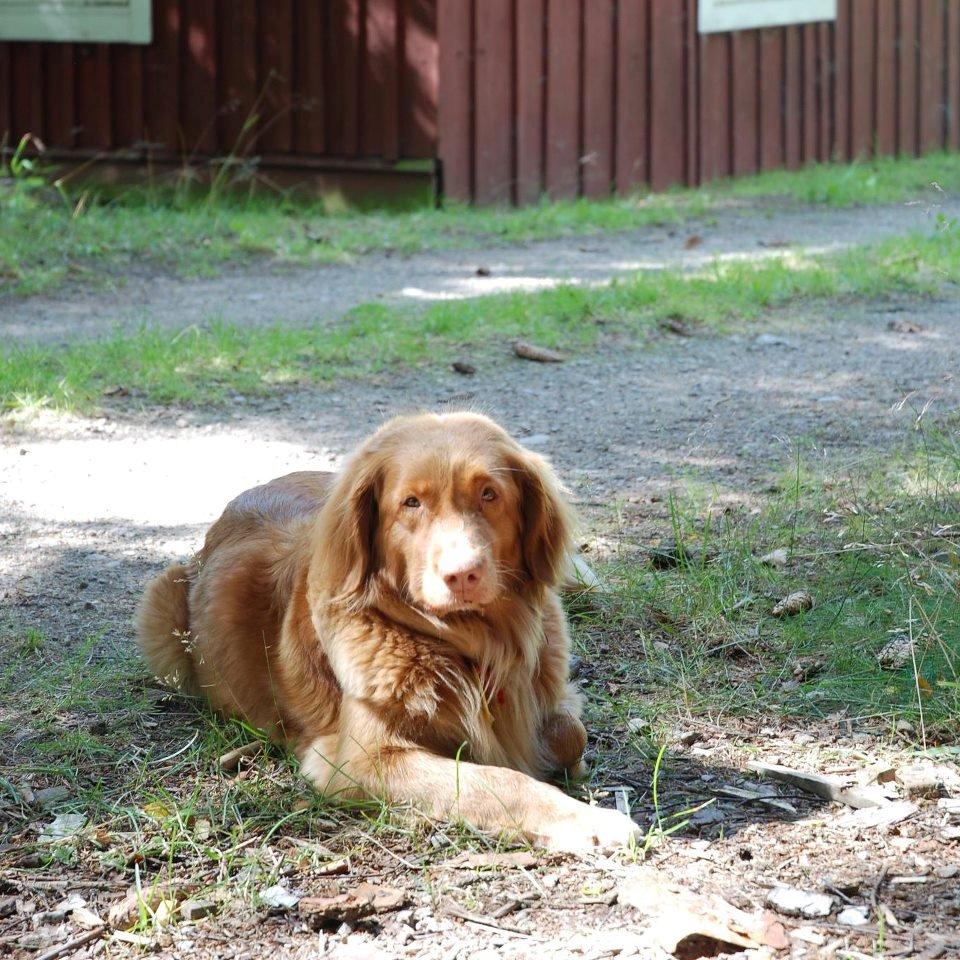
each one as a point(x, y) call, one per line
point(590, 829)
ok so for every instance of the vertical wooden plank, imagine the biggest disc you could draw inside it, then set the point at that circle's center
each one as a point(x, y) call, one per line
point(563, 98)
point(886, 79)
point(841, 82)
point(810, 103)
point(342, 58)
point(493, 162)
point(633, 53)
point(276, 74)
point(419, 90)
point(715, 118)
point(667, 89)
point(162, 77)
point(531, 87)
point(598, 97)
point(825, 65)
point(792, 92)
point(238, 116)
point(931, 75)
point(907, 126)
point(953, 74)
point(308, 89)
point(692, 93)
point(26, 90)
point(59, 95)
point(455, 134)
point(198, 106)
point(862, 37)
point(745, 102)
point(126, 70)
point(94, 97)
point(771, 98)
point(380, 82)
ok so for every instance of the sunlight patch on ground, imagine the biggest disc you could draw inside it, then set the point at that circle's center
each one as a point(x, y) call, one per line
point(160, 481)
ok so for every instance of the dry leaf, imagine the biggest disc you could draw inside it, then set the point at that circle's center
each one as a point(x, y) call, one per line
point(688, 925)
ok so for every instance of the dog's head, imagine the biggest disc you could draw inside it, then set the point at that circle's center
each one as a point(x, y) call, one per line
point(447, 511)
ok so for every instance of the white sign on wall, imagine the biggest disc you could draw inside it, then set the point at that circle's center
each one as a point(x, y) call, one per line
point(716, 16)
point(92, 21)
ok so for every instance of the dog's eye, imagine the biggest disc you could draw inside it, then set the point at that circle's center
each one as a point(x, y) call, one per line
point(411, 502)
point(488, 494)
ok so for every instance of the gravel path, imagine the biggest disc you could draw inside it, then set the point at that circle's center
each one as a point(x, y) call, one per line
point(260, 294)
point(104, 502)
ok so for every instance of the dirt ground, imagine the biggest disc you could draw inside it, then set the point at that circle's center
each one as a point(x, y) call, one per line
point(89, 508)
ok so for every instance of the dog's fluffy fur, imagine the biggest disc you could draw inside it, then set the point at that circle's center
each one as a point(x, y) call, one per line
point(312, 613)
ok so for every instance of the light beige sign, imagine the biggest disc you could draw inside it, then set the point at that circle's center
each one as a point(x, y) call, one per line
point(94, 21)
point(717, 16)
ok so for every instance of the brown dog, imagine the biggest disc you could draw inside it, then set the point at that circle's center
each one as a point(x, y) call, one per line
point(397, 626)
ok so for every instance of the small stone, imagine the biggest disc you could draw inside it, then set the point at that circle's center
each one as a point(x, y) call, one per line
point(853, 917)
point(775, 558)
point(800, 903)
point(905, 727)
point(278, 897)
point(63, 827)
point(197, 909)
point(51, 795)
point(770, 340)
point(949, 806)
point(947, 872)
point(461, 366)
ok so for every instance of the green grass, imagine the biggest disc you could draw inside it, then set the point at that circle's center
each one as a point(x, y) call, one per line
point(207, 364)
point(52, 236)
point(877, 551)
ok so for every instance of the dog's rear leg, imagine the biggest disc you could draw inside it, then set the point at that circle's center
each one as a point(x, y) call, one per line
point(163, 628)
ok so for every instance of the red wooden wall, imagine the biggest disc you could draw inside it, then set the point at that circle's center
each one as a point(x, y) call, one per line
point(343, 79)
point(582, 97)
point(517, 98)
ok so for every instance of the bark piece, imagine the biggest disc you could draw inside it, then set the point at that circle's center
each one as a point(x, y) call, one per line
point(530, 351)
point(362, 901)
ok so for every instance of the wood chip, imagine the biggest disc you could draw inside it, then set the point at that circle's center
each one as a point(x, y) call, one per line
point(885, 816)
point(530, 351)
point(474, 861)
point(826, 787)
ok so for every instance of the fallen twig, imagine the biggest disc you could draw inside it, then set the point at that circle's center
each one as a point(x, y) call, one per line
point(75, 944)
point(231, 760)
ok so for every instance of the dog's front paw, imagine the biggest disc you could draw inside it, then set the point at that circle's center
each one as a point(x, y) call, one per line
point(589, 829)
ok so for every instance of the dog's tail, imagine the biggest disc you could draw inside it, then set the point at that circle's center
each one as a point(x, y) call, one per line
point(163, 628)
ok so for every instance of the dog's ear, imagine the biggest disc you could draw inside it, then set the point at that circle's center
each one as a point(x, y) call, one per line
point(547, 519)
point(347, 529)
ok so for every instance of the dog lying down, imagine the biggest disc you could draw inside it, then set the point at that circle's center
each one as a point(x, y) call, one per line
point(398, 627)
